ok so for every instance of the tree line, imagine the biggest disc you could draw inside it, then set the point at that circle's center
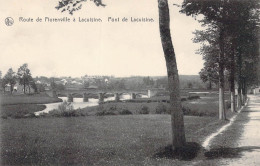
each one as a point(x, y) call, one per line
point(23, 77)
point(230, 48)
point(229, 45)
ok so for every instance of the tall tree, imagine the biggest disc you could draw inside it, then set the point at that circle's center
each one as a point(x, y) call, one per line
point(243, 29)
point(4, 84)
point(173, 76)
point(226, 16)
point(178, 133)
point(209, 51)
point(24, 76)
point(213, 11)
point(33, 85)
point(10, 78)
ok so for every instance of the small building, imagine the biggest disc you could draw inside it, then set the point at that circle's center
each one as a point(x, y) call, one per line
point(256, 90)
point(19, 89)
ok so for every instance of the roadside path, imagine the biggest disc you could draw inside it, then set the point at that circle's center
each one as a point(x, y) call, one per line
point(249, 143)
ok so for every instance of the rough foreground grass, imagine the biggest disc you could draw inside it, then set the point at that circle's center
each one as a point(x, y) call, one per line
point(92, 140)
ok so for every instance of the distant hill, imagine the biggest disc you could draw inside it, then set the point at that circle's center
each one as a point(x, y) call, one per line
point(186, 81)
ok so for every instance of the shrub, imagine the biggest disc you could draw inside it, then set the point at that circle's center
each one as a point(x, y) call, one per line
point(113, 108)
point(69, 113)
point(104, 113)
point(65, 109)
point(144, 110)
point(30, 115)
point(228, 104)
point(186, 110)
point(183, 99)
point(193, 97)
point(161, 109)
point(4, 117)
point(125, 112)
point(100, 107)
point(195, 112)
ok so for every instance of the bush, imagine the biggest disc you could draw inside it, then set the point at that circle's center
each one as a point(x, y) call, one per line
point(194, 112)
point(104, 113)
point(125, 112)
point(30, 115)
point(183, 99)
point(69, 113)
point(193, 97)
point(144, 110)
point(113, 108)
point(186, 110)
point(100, 107)
point(65, 109)
point(161, 109)
point(228, 104)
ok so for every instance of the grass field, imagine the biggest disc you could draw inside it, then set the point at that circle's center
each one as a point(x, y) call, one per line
point(17, 106)
point(27, 99)
point(94, 140)
point(19, 110)
point(205, 106)
point(98, 140)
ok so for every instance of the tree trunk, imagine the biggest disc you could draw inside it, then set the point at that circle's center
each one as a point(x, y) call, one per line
point(11, 89)
point(178, 133)
point(242, 95)
point(244, 91)
point(222, 113)
point(232, 81)
point(24, 87)
point(239, 97)
point(210, 85)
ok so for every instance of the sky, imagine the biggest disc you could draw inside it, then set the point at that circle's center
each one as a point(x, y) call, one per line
point(107, 48)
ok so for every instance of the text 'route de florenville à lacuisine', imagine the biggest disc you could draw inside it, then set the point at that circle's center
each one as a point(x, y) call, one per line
point(86, 19)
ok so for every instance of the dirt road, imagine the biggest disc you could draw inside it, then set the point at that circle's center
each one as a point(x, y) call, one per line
point(248, 145)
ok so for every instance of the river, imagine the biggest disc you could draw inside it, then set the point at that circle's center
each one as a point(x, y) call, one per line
point(78, 103)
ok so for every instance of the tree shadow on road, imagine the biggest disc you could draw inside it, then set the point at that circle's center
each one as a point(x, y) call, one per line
point(189, 152)
point(225, 152)
point(248, 111)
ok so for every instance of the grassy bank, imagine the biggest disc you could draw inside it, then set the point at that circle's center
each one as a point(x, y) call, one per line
point(20, 110)
point(204, 106)
point(135, 139)
point(20, 106)
point(27, 99)
point(94, 140)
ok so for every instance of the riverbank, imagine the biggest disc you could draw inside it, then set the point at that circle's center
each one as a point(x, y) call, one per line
point(24, 105)
point(27, 99)
point(20, 110)
point(193, 106)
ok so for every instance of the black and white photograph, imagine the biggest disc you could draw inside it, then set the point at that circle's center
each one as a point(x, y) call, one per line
point(130, 82)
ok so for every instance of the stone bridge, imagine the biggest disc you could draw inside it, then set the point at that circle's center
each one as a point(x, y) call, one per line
point(101, 95)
